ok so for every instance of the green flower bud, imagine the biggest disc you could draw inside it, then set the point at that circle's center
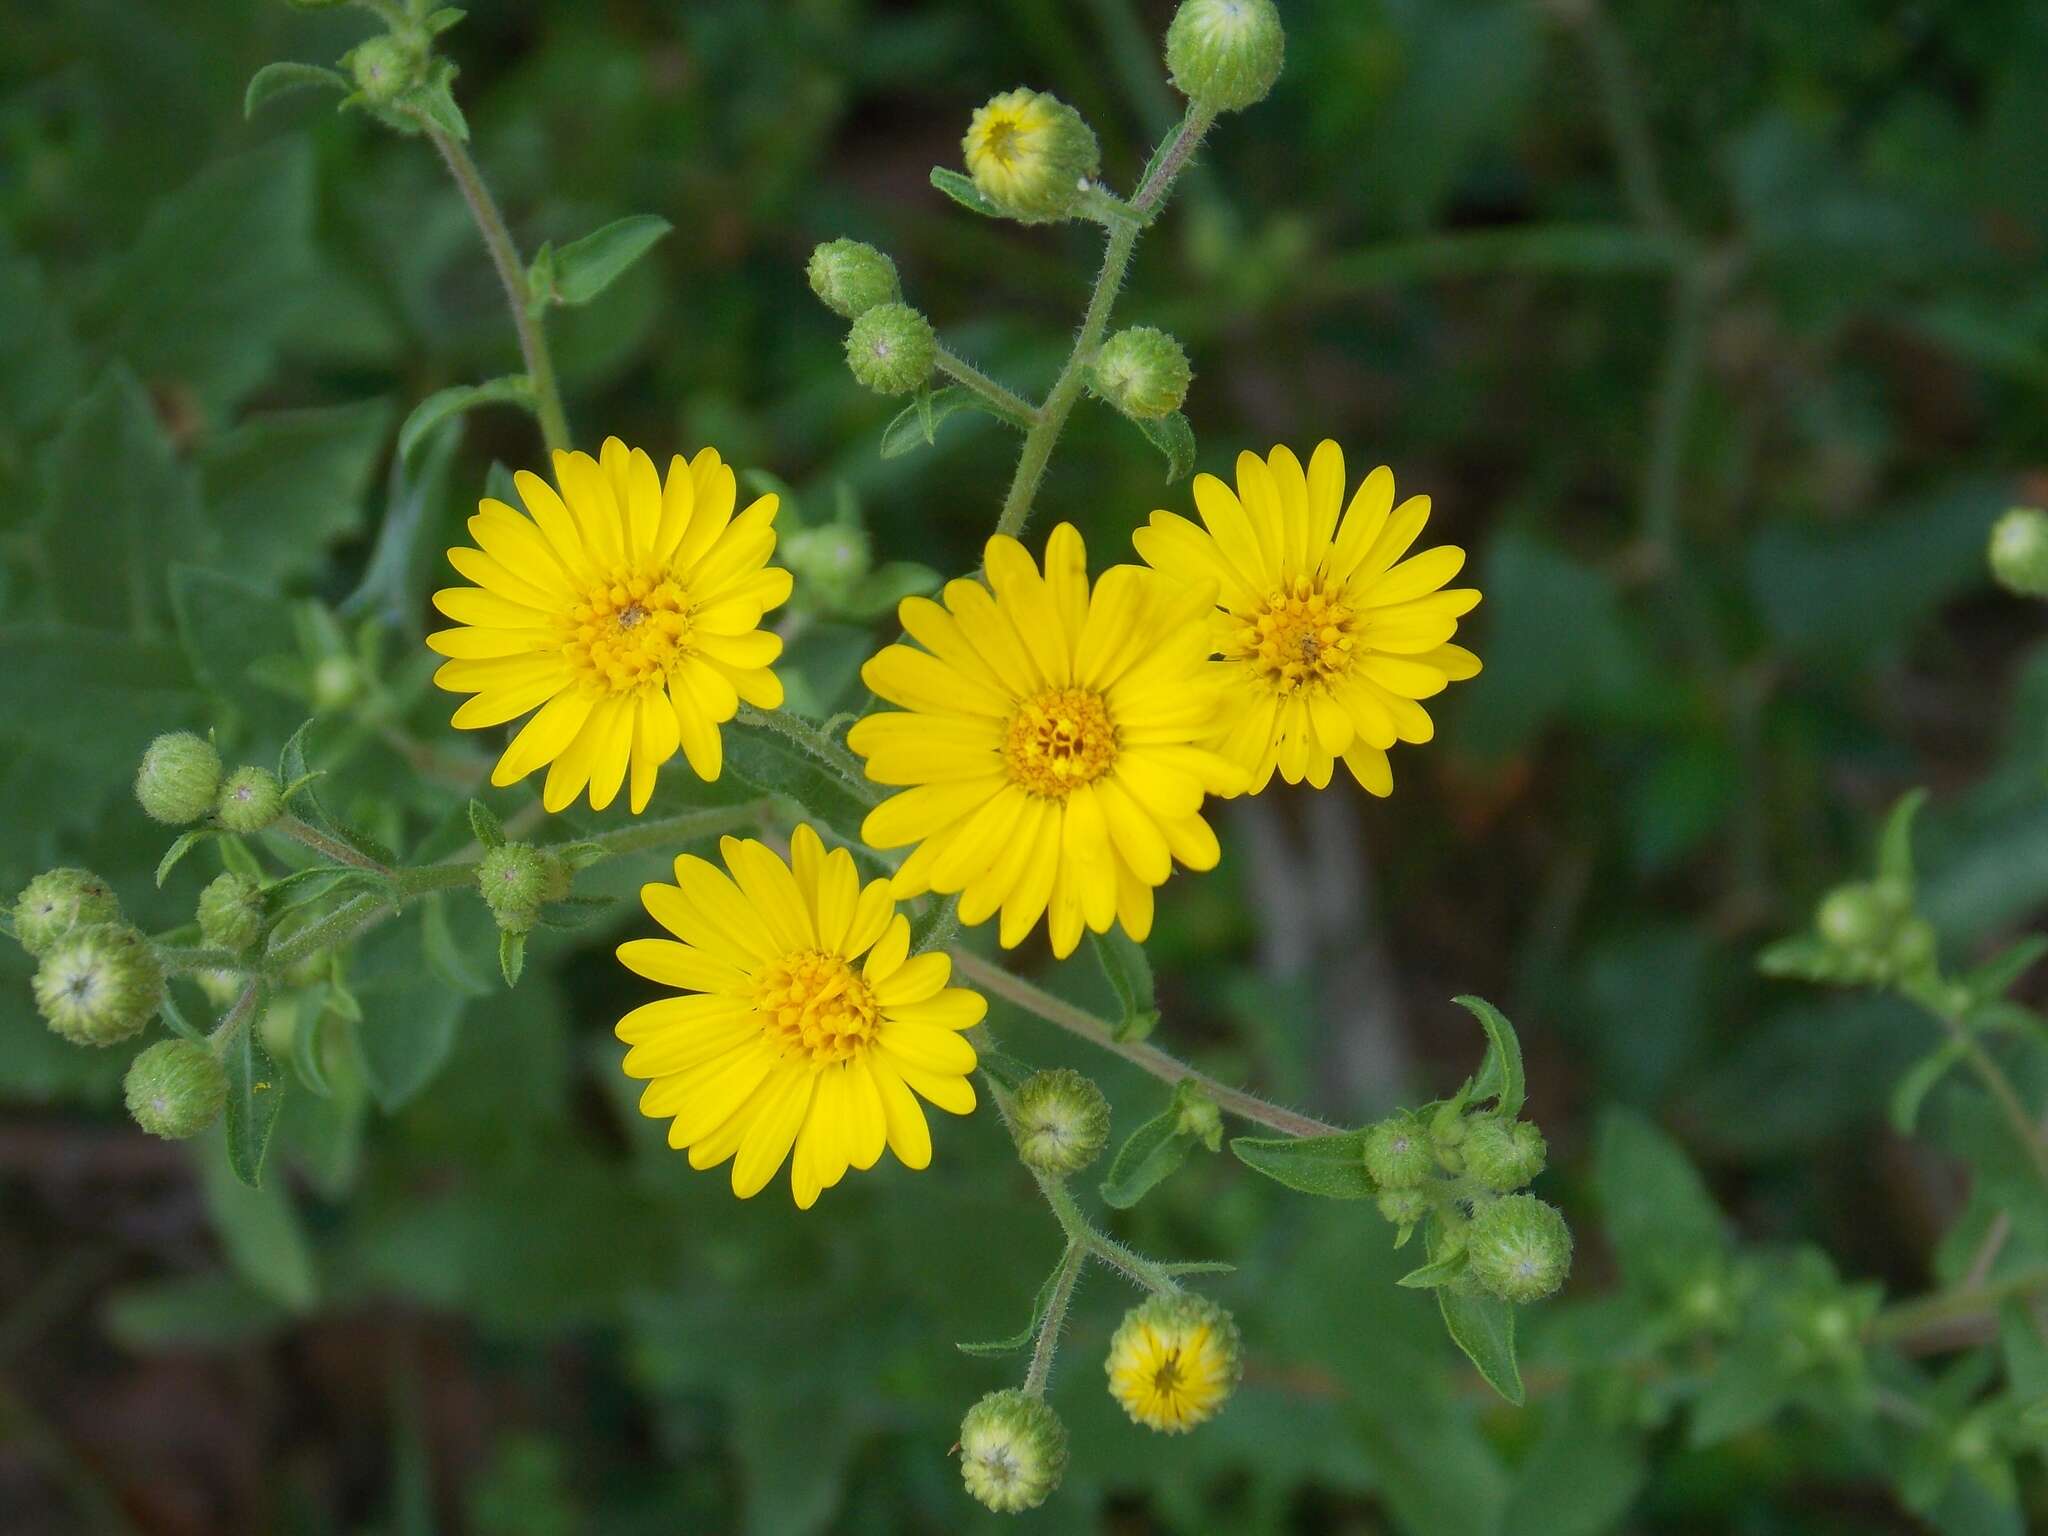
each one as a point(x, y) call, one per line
point(386, 67)
point(178, 779)
point(1502, 1155)
point(1853, 917)
point(829, 561)
point(231, 912)
point(59, 900)
point(176, 1089)
point(1031, 155)
point(1403, 1207)
point(1174, 1361)
point(851, 277)
point(516, 879)
point(1398, 1154)
point(891, 349)
point(337, 683)
point(1061, 1122)
point(1519, 1248)
point(98, 986)
point(1225, 54)
point(1142, 372)
point(1013, 1451)
point(1199, 1116)
point(250, 800)
point(220, 987)
point(2019, 551)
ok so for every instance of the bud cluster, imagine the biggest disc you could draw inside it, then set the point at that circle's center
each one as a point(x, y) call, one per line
point(181, 781)
point(516, 880)
point(1872, 933)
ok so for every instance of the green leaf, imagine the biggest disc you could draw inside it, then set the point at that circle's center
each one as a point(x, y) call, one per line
point(291, 484)
point(435, 102)
point(1912, 1089)
point(258, 1229)
point(511, 956)
point(1172, 436)
point(1437, 1272)
point(444, 954)
point(483, 821)
point(417, 528)
point(1665, 1228)
point(42, 367)
point(444, 404)
point(410, 1013)
point(1500, 1074)
point(281, 79)
point(1151, 1153)
point(1802, 958)
point(1129, 975)
point(772, 763)
point(585, 268)
point(186, 842)
point(915, 423)
point(1997, 976)
point(964, 192)
point(1330, 1166)
point(255, 1093)
point(292, 768)
point(996, 1348)
point(1485, 1329)
point(229, 630)
point(1895, 843)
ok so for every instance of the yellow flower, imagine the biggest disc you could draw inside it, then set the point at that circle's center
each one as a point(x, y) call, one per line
point(1174, 1361)
point(784, 1044)
point(1030, 154)
point(626, 609)
point(1053, 742)
point(1326, 641)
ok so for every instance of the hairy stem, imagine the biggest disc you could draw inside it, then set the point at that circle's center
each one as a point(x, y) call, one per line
point(1133, 1266)
point(2024, 1128)
point(533, 341)
point(1006, 403)
point(827, 749)
point(1040, 1373)
point(330, 848)
point(1169, 1069)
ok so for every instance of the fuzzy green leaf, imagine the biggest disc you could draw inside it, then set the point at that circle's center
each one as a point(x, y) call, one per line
point(1150, 1154)
point(260, 1230)
point(1435, 1273)
point(584, 268)
point(991, 1349)
point(1911, 1090)
point(915, 424)
point(964, 192)
point(511, 957)
point(483, 821)
point(1895, 843)
point(186, 842)
point(1500, 1074)
point(442, 404)
point(281, 79)
point(255, 1093)
point(1485, 1329)
point(1330, 1166)
point(1129, 974)
point(1172, 436)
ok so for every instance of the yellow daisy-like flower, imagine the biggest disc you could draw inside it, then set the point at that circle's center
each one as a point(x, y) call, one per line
point(1053, 741)
point(626, 609)
point(784, 1044)
point(1327, 641)
point(1030, 153)
point(1174, 1361)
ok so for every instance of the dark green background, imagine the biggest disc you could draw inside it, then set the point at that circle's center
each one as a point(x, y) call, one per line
point(505, 1307)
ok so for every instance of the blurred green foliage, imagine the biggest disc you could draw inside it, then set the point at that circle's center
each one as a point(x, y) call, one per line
point(1718, 334)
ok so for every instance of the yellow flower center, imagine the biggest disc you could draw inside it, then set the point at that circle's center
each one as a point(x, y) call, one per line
point(628, 630)
point(816, 1007)
point(1300, 637)
point(1059, 740)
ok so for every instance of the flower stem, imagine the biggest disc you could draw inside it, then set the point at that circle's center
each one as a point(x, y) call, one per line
point(1999, 1086)
point(533, 341)
point(1049, 1326)
point(1956, 1305)
point(1133, 1266)
point(332, 849)
point(826, 749)
point(1036, 453)
point(1006, 403)
point(1015, 989)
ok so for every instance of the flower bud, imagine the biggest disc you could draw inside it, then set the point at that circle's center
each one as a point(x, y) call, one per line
point(828, 562)
point(97, 986)
point(1174, 1362)
point(891, 349)
point(1519, 1248)
point(1141, 371)
point(1013, 1450)
point(1199, 1116)
point(1853, 917)
point(250, 800)
point(178, 779)
point(1403, 1207)
point(1225, 54)
point(515, 879)
point(1031, 155)
point(231, 912)
point(176, 1089)
point(386, 67)
point(59, 900)
point(852, 277)
point(2019, 551)
point(1061, 1122)
point(337, 683)
point(220, 987)
point(1503, 1155)
point(1398, 1155)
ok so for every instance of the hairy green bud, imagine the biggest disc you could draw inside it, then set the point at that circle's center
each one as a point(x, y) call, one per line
point(1141, 371)
point(516, 879)
point(1031, 155)
point(250, 800)
point(337, 683)
point(2019, 551)
point(59, 900)
point(1013, 1451)
point(1403, 1207)
point(386, 67)
point(1398, 1154)
point(176, 1089)
point(99, 986)
point(1198, 1115)
point(1061, 1122)
point(1519, 1248)
point(1225, 54)
point(178, 779)
point(851, 277)
point(829, 561)
point(231, 912)
point(1854, 918)
point(1503, 1155)
point(891, 349)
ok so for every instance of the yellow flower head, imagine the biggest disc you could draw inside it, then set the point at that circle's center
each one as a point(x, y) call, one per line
point(1174, 1361)
point(1029, 153)
point(625, 608)
point(1327, 642)
point(784, 1043)
point(1053, 741)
